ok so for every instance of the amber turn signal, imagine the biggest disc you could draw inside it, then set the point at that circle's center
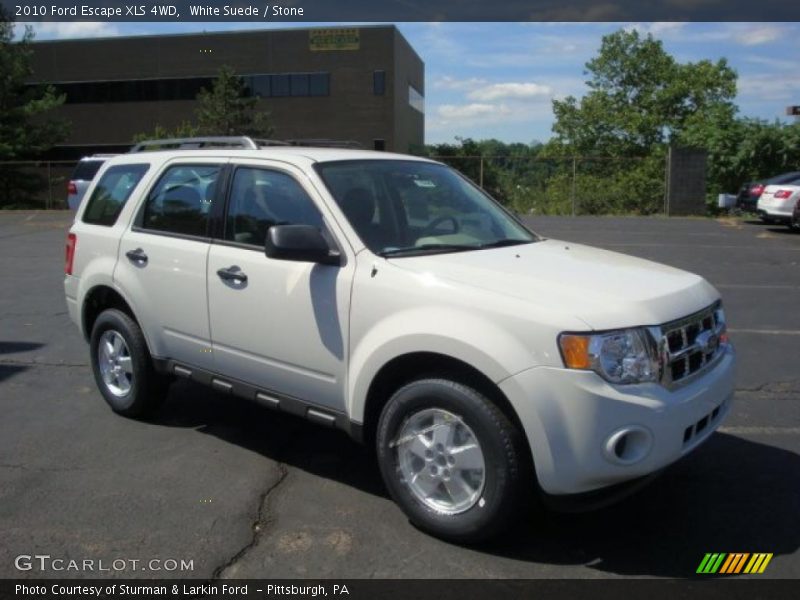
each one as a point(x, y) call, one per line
point(575, 350)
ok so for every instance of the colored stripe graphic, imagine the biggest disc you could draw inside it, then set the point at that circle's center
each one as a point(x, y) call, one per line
point(734, 563)
point(711, 563)
point(758, 563)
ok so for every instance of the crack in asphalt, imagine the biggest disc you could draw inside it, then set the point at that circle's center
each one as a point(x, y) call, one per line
point(778, 387)
point(22, 467)
point(264, 519)
point(32, 363)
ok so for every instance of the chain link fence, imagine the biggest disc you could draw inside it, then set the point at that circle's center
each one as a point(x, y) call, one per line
point(570, 185)
point(527, 185)
point(38, 185)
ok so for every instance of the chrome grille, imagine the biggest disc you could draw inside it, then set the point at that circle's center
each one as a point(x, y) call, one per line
point(690, 345)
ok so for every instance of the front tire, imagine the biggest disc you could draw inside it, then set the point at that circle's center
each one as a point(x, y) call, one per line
point(452, 460)
point(122, 366)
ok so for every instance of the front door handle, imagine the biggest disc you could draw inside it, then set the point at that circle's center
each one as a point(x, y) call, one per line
point(137, 257)
point(233, 274)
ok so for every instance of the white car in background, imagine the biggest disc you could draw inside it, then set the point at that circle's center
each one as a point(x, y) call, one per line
point(777, 203)
point(82, 176)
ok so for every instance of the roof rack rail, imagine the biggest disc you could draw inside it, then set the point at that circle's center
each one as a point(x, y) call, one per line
point(196, 143)
point(242, 142)
point(325, 143)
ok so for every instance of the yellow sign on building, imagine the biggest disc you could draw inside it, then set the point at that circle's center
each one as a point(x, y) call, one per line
point(322, 40)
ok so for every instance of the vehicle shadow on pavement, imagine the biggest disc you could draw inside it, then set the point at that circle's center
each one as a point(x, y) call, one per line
point(8, 370)
point(281, 437)
point(731, 495)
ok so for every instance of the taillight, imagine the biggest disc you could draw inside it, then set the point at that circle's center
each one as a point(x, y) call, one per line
point(72, 189)
point(783, 194)
point(72, 240)
point(756, 190)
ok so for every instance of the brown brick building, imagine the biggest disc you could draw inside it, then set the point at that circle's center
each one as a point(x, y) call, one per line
point(364, 84)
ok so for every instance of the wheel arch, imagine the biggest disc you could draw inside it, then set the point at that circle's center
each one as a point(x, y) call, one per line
point(411, 366)
point(99, 298)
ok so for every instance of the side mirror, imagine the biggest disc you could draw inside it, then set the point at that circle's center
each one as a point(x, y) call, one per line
point(302, 243)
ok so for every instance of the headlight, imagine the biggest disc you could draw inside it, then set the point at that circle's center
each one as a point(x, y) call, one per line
point(627, 356)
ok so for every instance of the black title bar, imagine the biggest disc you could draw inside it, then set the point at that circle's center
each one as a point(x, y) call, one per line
point(401, 10)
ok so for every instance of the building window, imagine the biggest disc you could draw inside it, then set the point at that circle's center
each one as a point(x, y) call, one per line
point(379, 83)
point(299, 84)
point(319, 84)
point(416, 100)
point(379, 144)
point(280, 85)
point(187, 88)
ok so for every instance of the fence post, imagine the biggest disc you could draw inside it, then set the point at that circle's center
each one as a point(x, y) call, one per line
point(481, 175)
point(49, 185)
point(574, 184)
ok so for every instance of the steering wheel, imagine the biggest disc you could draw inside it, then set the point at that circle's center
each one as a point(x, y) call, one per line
point(430, 228)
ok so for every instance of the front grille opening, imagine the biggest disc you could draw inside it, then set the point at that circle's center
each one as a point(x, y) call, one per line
point(675, 341)
point(694, 430)
point(701, 424)
point(687, 344)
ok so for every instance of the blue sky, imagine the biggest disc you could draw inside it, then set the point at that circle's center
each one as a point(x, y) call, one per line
point(498, 79)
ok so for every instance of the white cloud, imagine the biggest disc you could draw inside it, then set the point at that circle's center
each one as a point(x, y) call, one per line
point(756, 35)
point(497, 91)
point(451, 83)
point(460, 112)
point(57, 30)
point(659, 29)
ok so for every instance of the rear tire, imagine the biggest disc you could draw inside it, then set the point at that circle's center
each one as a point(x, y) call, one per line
point(452, 460)
point(122, 366)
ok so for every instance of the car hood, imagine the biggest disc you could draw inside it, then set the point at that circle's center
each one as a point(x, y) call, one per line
point(604, 289)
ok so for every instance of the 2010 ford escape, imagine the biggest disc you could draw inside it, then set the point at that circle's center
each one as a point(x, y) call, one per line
point(388, 296)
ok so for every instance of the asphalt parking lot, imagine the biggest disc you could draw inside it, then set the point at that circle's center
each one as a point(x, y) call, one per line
point(244, 492)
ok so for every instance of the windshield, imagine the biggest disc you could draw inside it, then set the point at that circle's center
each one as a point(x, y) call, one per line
point(408, 208)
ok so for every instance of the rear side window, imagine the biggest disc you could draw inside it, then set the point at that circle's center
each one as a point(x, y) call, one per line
point(181, 200)
point(112, 192)
point(86, 170)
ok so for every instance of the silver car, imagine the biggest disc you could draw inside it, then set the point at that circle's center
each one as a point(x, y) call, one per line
point(82, 176)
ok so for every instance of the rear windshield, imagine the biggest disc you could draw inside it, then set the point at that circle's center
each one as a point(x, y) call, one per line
point(112, 192)
point(86, 170)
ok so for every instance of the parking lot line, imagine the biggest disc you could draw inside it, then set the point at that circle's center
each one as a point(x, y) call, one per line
point(760, 430)
point(766, 331)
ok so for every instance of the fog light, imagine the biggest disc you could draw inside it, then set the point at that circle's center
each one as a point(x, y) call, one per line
point(628, 446)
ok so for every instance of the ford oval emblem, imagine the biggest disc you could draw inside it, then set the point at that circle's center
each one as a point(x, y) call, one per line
point(708, 342)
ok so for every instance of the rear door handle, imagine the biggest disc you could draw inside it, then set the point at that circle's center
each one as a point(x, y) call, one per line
point(233, 274)
point(137, 256)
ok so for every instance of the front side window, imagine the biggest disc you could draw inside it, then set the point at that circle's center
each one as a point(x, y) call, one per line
point(261, 198)
point(406, 208)
point(181, 200)
point(112, 192)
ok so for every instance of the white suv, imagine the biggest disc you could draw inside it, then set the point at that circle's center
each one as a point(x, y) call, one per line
point(388, 296)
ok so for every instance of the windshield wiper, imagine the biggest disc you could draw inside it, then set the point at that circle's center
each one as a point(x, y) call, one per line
point(426, 249)
point(506, 242)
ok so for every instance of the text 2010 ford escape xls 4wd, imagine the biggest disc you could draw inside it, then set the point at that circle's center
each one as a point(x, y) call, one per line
point(390, 297)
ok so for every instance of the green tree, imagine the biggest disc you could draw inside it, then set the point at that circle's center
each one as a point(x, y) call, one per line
point(228, 109)
point(27, 127)
point(639, 97)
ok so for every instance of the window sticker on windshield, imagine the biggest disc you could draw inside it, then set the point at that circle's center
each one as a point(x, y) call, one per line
point(424, 183)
